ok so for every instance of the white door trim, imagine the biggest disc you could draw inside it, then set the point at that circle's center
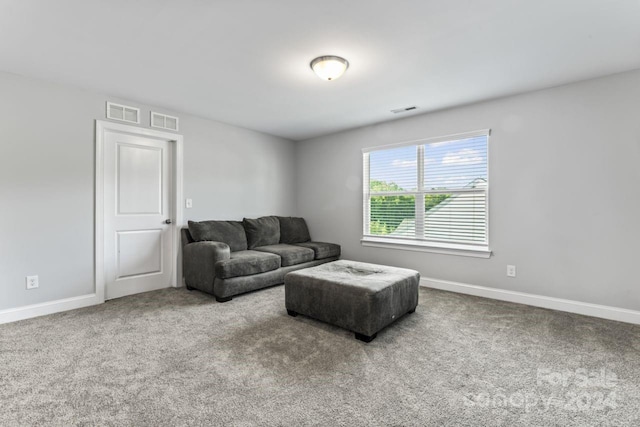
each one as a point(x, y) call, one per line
point(177, 215)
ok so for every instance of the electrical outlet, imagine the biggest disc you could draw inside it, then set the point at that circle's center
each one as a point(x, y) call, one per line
point(32, 282)
point(188, 203)
point(511, 270)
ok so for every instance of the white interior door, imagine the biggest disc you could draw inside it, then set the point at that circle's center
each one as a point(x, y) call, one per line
point(138, 235)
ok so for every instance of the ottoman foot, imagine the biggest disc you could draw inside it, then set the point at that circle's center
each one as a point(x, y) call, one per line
point(365, 338)
point(411, 311)
point(291, 313)
point(189, 288)
point(224, 299)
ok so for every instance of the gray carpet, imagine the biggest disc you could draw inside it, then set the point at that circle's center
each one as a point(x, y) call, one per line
point(174, 357)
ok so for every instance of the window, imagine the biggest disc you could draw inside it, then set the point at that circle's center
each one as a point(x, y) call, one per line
point(427, 194)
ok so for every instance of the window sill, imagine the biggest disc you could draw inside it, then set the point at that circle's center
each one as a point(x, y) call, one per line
point(412, 245)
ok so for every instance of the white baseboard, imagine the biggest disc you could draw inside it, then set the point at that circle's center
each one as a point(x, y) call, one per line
point(587, 309)
point(35, 310)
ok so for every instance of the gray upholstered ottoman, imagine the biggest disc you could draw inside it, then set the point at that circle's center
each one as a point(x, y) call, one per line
point(360, 297)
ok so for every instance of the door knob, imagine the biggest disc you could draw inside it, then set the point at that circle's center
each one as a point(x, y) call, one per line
point(168, 221)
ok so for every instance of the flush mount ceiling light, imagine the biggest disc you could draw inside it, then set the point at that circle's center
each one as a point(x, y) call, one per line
point(329, 67)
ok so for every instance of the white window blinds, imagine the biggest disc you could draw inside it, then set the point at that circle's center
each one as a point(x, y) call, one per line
point(433, 191)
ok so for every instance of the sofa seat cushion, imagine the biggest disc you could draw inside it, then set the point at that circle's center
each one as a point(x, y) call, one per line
point(289, 254)
point(246, 263)
point(322, 250)
point(229, 232)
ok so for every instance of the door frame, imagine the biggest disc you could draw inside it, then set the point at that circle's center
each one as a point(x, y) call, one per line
point(176, 141)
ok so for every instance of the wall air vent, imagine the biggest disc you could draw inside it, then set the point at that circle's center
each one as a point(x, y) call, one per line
point(164, 121)
point(404, 110)
point(124, 113)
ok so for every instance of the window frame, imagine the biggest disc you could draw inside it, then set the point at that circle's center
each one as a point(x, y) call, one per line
point(480, 249)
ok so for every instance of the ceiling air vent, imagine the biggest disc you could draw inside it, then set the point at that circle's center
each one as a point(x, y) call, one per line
point(164, 121)
point(123, 113)
point(404, 110)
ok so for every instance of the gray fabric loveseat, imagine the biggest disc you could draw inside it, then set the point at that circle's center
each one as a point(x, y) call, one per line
point(227, 258)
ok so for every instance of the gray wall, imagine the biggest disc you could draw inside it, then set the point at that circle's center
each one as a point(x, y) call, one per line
point(565, 203)
point(47, 152)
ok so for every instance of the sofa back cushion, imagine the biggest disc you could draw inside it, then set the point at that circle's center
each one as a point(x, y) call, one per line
point(262, 231)
point(293, 230)
point(229, 232)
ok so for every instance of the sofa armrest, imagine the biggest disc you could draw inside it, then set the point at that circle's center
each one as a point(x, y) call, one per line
point(199, 260)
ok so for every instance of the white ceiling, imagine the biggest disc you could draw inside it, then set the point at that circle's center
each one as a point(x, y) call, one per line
point(246, 62)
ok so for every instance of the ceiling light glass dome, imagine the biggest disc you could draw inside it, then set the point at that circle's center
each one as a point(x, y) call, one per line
point(329, 67)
